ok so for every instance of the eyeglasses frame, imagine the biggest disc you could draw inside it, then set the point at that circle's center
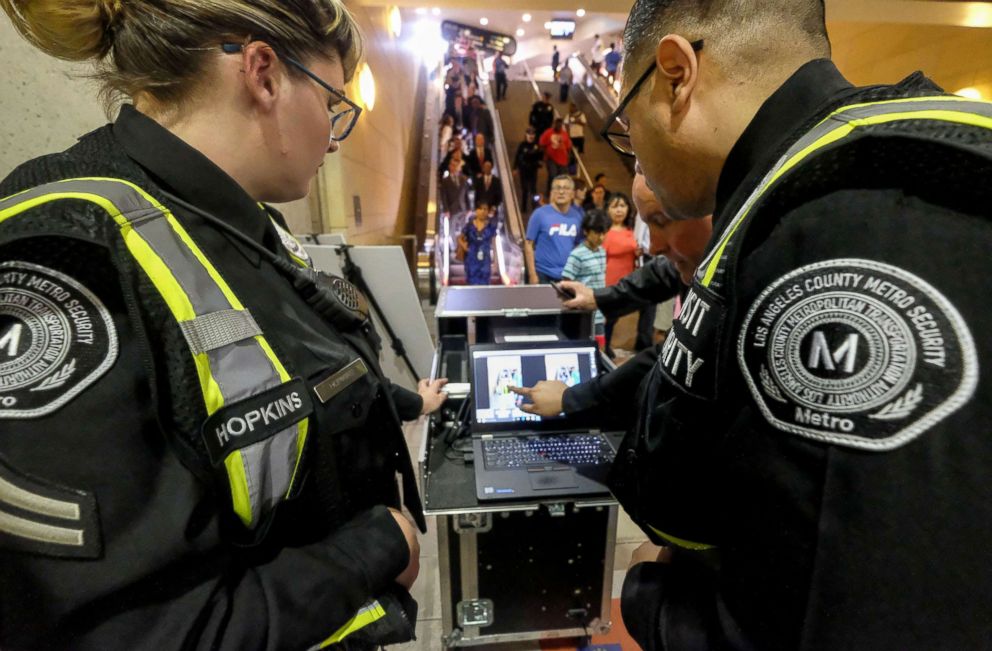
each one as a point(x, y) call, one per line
point(614, 117)
point(234, 48)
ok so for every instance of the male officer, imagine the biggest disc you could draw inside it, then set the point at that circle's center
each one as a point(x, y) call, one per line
point(678, 247)
point(818, 414)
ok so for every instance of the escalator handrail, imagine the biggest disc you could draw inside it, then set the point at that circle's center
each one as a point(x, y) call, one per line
point(578, 157)
point(604, 94)
point(432, 122)
point(511, 205)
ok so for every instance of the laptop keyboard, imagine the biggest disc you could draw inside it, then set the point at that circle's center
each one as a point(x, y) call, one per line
point(571, 449)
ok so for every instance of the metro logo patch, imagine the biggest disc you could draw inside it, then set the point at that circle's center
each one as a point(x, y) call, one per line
point(856, 353)
point(56, 339)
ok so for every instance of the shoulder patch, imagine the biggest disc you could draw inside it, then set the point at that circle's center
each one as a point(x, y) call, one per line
point(56, 339)
point(856, 353)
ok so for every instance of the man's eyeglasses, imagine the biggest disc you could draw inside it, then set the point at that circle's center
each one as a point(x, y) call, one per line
point(616, 131)
point(343, 112)
point(561, 188)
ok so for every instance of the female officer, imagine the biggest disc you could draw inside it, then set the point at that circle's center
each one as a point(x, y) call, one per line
point(199, 449)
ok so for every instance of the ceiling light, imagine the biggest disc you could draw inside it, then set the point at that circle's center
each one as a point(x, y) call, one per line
point(580, 13)
point(483, 21)
point(395, 22)
point(526, 18)
point(547, 25)
point(970, 93)
point(420, 11)
point(520, 32)
point(436, 11)
point(366, 86)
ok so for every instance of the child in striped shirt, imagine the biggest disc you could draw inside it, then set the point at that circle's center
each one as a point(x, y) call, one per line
point(587, 262)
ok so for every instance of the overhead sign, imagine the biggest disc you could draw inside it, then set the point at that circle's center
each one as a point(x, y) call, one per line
point(480, 39)
point(562, 29)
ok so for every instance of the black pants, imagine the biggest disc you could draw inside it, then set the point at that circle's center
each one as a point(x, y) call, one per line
point(554, 169)
point(671, 607)
point(563, 92)
point(580, 144)
point(528, 188)
point(501, 86)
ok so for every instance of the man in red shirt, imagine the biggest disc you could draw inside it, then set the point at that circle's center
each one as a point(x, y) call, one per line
point(557, 147)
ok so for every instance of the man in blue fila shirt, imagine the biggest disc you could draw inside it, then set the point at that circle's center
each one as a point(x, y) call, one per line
point(552, 232)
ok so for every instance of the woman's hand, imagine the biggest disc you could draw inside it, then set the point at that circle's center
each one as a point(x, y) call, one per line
point(433, 397)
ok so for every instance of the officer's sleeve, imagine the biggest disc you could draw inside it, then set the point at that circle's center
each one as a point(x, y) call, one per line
point(613, 393)
point(861, 333)
point(655, 282)
point(408, 403)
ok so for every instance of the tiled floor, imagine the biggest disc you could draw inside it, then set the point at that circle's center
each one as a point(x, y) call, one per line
point(427, 589)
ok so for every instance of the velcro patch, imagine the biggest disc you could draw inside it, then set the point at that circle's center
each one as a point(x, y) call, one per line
point(690, 353)
point(856, 353)
point(255, 419)
point(56, 339)
point(39, 517)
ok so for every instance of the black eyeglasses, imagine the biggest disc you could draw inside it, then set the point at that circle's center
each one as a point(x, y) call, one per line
point(343, 112)
point(620, 140)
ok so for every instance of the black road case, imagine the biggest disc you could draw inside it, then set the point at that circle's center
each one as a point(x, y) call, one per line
point(514, 570)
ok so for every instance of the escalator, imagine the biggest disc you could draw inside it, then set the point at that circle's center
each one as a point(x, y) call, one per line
point(598, 156)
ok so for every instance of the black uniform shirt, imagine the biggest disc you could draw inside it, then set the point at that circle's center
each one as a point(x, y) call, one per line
point(161, 567)
point(829, 540)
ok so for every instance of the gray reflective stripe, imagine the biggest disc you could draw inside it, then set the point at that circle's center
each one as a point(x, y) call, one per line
point(218, 329)
point(238, 363)
point(46, 533)
point(40, 504)
point(840, 119)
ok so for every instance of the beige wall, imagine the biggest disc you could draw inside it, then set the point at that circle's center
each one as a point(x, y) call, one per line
point(954, 57)
point(373, 162)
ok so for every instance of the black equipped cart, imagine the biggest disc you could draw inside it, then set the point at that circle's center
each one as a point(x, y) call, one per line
point(517, 569)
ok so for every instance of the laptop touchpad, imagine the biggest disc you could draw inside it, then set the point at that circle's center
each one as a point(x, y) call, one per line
point(553, 479)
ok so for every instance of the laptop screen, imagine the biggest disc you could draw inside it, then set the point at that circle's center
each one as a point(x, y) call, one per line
point(496, 367)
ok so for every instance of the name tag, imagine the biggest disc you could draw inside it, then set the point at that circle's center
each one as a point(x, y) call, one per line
point(341, 380)
point(255, 419)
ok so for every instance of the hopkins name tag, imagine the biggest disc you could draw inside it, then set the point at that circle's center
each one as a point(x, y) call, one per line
point(341, 380)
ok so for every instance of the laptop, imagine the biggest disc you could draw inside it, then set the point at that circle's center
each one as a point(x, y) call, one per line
point(520, 455)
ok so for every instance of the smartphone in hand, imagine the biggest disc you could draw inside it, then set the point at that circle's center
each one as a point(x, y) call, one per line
point(564, 293)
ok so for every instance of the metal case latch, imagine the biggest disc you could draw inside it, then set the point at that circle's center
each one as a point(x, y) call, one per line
point(477, 612)
point(556, 510)
point(473, 523)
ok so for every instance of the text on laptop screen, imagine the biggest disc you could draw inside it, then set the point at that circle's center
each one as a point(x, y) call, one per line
point(497, 370)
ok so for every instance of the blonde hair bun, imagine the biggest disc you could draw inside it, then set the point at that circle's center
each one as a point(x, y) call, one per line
point(75, 30)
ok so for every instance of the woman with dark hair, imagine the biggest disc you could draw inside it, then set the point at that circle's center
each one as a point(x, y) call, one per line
point(622, 251)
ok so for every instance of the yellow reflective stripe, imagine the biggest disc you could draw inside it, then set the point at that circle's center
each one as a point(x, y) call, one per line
point(365, 616)
point(238, 479)
point(685, 544)
point(906, 100)
point(961, 117)
point(299, 261)
point(833, 136)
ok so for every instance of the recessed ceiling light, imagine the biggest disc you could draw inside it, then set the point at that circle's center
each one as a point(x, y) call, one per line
point(526, 18)
point(436, 11)
point(483, 21)
point(547, 25)
point(580, 13)
point(970, 93)
point(520, 32)
point(420, 11)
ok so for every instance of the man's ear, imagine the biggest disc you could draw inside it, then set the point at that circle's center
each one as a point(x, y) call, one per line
point(261, 74)
point(678, 63)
